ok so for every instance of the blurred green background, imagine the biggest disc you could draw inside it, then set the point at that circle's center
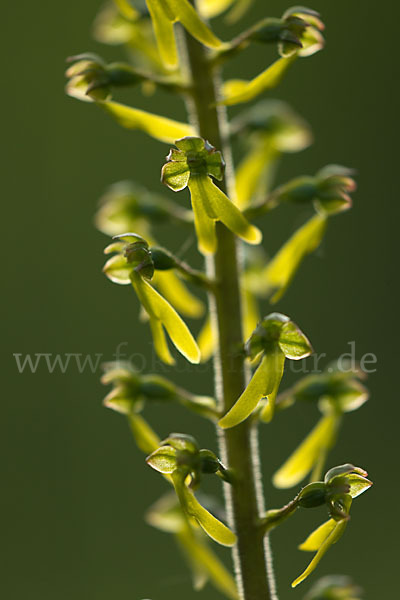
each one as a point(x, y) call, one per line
point(75, 487)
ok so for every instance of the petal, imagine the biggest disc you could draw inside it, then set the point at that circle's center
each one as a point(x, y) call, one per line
point(280, 271)
point(251, 313)
point(146, 439)
point(212, 8)
point(318, 536)
point(156, 306)
point(176, 292)
point(332, 538)
point(238, 10)
point(206, 561)
point(237, 91)
point(213, 527)
point(300, 463)
point(204, 225)
point(161, 128)
point(187, 15)
point(160, 342)
point(219, 207)
point(253, 173)
point(126, 9)
point(264, 382)
point(163, 25)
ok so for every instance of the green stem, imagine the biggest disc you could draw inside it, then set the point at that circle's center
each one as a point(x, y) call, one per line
point(273, 518)
point(239, 445)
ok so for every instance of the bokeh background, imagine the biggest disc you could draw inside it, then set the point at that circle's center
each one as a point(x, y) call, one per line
point(74, 485)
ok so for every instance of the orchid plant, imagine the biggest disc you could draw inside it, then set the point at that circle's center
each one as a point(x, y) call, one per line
point(170, 46)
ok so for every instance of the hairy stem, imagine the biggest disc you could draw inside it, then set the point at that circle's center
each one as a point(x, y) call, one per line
point(239, 445)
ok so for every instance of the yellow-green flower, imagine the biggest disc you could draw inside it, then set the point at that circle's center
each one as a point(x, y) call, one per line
point(132, 390)
point(297, 33)
point(133, 260)
point(276, 338)
point(270, 128)
point(343, 484)
point(192, 166)
point(91, 80)
point(180, 457)
point(336, 392)
point(126, 206)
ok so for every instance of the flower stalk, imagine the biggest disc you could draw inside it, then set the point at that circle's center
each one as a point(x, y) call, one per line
point(239, 445)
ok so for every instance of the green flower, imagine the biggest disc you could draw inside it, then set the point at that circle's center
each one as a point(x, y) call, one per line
point(91, 79)
point(126, 206)
point(328, 190)
point(270, 129)
point(133, 260)
point(192, 166)
point(343, 484)
point(336, 393)
point(276, 338)
point(179, 457)
point(298, 32)
point(132, 390)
